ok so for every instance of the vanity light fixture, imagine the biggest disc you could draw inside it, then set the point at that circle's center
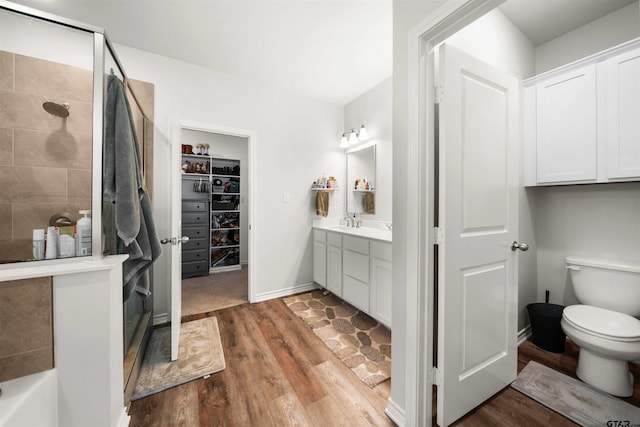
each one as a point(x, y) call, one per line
point(343, 142)
point(352, 138)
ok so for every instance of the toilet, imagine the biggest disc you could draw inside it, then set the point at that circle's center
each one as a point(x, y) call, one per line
point(605, 323)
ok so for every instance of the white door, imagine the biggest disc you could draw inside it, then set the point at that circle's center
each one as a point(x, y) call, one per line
point(173, 243)
point(477, 271)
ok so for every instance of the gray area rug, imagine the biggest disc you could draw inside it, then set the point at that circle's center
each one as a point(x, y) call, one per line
point(200, 354)
point(572, 398)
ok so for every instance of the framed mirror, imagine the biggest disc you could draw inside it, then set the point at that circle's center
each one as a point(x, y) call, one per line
point(361, 181)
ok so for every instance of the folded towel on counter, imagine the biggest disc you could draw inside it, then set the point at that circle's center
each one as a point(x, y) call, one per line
point(322, 203)
point(369, 203)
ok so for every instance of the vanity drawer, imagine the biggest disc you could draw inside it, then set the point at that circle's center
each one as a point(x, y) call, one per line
point(334, 239)
point(381, 250)
point(355, 265)
point(200, 255)
point(195, 232)
point(356, 244)
point(356, 292)
point(195, 206)
point(319, 236)
point(194, 244)
point(195, 218)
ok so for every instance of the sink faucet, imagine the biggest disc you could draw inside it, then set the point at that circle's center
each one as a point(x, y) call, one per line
point(356, 220)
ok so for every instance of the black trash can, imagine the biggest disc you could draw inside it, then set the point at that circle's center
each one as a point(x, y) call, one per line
point(545, 326)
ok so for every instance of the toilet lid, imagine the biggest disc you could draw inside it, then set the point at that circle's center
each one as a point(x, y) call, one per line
point(603, 321)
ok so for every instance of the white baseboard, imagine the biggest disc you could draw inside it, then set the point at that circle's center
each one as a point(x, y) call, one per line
point(396, 413)
point(524, 334)
point(286, 292)
point(125, 419)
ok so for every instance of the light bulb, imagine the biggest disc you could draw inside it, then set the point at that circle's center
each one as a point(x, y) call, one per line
point(353, 137)
point(363, 135)
point(343, 142)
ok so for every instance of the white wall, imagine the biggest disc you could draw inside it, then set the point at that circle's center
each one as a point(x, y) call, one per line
point(295, 141)
point(586, 220)
point(373, 110)
point(608, 31)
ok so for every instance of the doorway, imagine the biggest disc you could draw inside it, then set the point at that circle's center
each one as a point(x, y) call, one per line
point(215, 181)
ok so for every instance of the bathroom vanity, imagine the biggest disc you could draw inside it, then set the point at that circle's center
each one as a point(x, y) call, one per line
point(355, 265)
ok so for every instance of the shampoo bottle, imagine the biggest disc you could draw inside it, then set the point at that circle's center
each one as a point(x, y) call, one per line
point(38, 244)
point(83, 234)
point(51, 250)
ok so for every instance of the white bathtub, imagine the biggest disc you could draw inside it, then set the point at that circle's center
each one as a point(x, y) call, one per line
point(30, 401)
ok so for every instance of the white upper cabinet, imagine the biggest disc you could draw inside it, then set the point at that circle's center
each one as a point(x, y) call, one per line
point(582, 121)
point(623, 115)
point(566, 127)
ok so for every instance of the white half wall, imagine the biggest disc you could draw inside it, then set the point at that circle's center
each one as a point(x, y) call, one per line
point(373, 110)
point(295, 142)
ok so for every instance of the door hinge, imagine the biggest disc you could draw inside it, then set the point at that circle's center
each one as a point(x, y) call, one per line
point(439, 92)
point(438, 236)
point(436, 376)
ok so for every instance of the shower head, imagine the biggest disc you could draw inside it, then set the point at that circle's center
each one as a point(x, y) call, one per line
point(58, 110)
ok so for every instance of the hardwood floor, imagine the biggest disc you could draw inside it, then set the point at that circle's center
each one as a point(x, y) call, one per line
point(278, 373)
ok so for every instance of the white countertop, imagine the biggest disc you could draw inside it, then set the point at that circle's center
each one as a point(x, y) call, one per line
point(366, 232)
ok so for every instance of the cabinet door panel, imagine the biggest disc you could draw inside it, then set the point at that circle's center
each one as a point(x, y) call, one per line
point(566, 127)
point(381, 290)
point(334, 270)
point(623, 115)
point(320, 263)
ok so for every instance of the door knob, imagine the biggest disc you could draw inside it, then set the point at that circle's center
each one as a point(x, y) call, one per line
point(174, 240)
point(522, 246)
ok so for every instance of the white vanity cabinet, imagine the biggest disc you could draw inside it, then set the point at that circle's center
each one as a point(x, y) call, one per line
point(356, 269)
point(320, 257)
point(582, 121)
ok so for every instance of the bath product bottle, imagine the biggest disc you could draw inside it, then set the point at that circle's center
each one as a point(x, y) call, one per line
point(66, 242)
point(83, 234)
point(38, 244)
point(51, 250)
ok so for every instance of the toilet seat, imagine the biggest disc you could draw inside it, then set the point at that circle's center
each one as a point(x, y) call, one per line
point(603, 323)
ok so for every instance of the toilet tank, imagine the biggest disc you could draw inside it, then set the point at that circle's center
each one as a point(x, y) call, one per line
point(606, 283)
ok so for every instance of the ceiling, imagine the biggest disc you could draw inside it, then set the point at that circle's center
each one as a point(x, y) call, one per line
point(333, 50)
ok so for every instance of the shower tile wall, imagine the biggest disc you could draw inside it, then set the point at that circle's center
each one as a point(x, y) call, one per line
point(26, 336)
point(45, 161)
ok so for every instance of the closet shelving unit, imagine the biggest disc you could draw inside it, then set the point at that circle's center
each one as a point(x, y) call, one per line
point(214, 244)
point(225, 214)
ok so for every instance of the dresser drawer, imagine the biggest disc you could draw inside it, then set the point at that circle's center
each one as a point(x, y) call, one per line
point(195, 218)
point(201, 232)
point(200, 255)
point(356, 244)
point(195, 206)
point(194, 244)
point(195, 268)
